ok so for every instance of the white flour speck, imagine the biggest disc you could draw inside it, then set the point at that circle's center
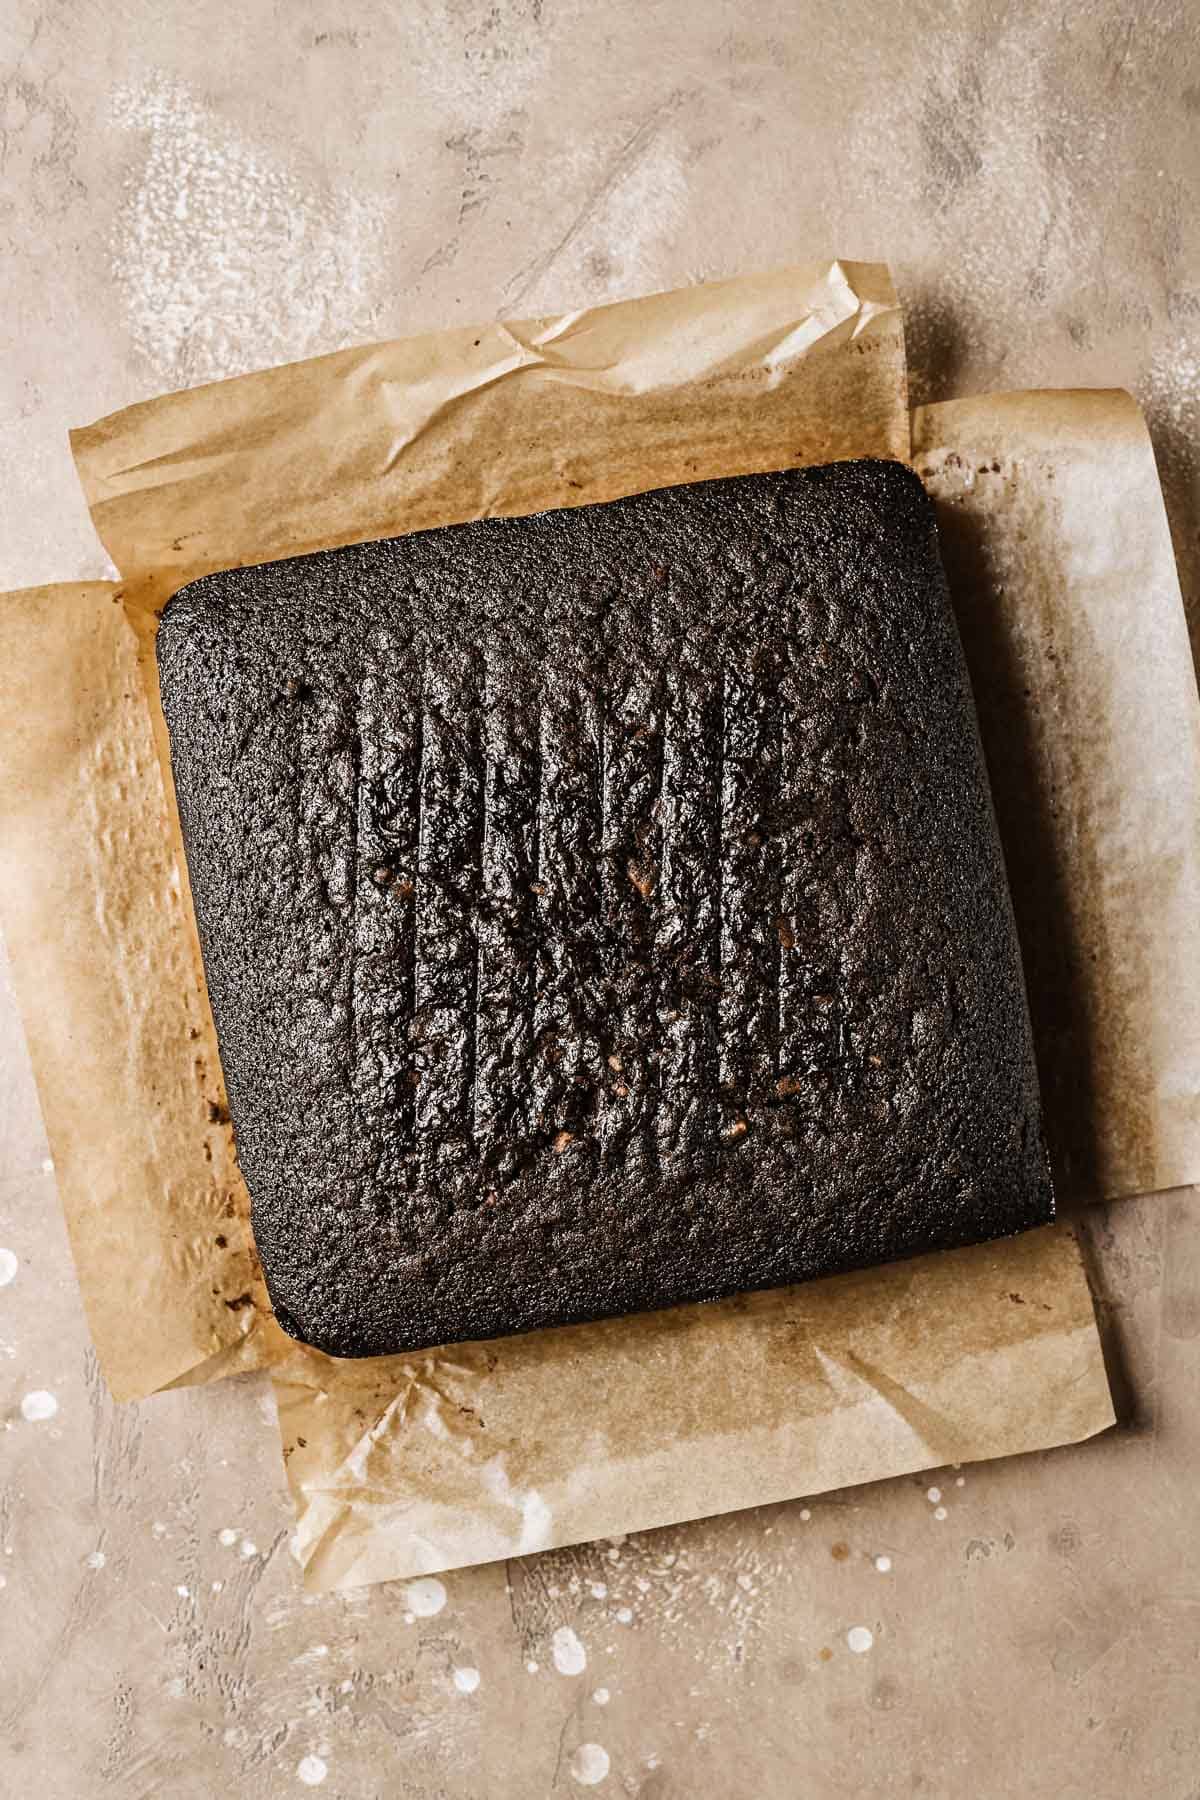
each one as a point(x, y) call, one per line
point(425, 1597)
point(95, 1559)
point(249, 1547)
point(159, 1529)
point(590, 1765)
point(933, 1495)
point(860, 1639)
point(570, 1657)
point(939, 1512)
point(884, 1564)
point(410, 1618)
point(226, 258)
point(47, 1165)
point(614, 1555)
point(625, 1615)
point(805, 1514)
point(598, 1589)
point(182, 1591)
point(217, 1586)
point(602, 1696)
point(8, 1267)
point(312, 1770)
point(227, 1537)
point(38, 1406)
point(960, 1481)
point(466, 1680)
point(3, 1581)
point(532, 1667)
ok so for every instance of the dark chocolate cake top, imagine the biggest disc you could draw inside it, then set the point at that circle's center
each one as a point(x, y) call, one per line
point(602, 909)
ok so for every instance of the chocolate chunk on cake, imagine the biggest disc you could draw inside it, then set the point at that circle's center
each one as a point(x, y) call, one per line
point(602, 910)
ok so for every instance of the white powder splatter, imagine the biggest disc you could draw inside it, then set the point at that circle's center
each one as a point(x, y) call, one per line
point(602, 1696)
point(159, 1529)
point(590, 1765)
point(425, 1597)
point(3, 1581)
point(708, 1610)
point(939, 1513)
point(225, 259)
point(183, 1592)
point(531, 1667)
point(228, 1537)
point(217, 1586)
point(860, 1639)
point(312, 1770)
point(466, 1680)
point(960, 1481)
point(249, 1547)
point(805, 1514)
point(38, 1405)
point(95, 1559)
point(570, 1657)
point(47, 1165)
point(8, 1267)
point(884, 1564)
point(933, 1495)
point(598, 1589)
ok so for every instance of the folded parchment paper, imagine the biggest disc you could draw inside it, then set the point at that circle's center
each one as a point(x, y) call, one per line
point(795, 365)
point(403, 1466)
point(232, 473)
point(118, 1026)
point(800, 365)
point(1060, 559)
point(1056, 542)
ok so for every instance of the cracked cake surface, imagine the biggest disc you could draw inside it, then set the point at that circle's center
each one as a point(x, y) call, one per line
point(603, 909)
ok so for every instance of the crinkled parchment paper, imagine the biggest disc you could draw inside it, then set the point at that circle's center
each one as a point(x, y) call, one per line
point(792, 366)
point(398, 1464)
point(403, 1466)
point(119, 1031)
point(800, 365)
point(1056, 542)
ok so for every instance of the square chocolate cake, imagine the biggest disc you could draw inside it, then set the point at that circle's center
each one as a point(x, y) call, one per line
point(602, 910)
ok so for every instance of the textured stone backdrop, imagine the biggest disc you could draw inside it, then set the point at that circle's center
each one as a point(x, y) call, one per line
point(191, 191)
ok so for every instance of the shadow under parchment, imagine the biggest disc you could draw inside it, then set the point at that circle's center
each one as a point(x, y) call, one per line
point(1027, 797)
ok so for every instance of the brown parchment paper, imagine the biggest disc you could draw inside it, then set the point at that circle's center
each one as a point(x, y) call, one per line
point(1056, 542)
point(798, 365)
point(403, 1466)
point(211, 475)
point(118, 1027)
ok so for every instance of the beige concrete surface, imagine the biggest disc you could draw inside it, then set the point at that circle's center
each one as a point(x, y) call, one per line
point(191, 191)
